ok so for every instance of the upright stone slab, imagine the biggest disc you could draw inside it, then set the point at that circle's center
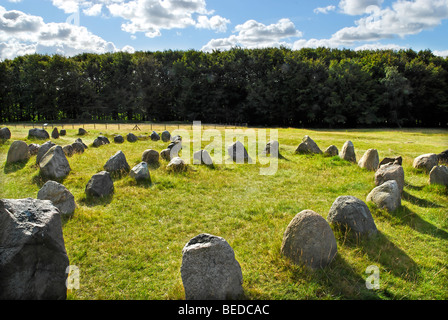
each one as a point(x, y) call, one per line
point(308, 146)
point(348, 152)
point(238, 153)
point(272, 148)
point(18, 151)
point(59, 195)
point(33, 259)
point(209, 269)
point(369, 160)
point(331, 151)
point(351, 213)
point(140, 172)
point(55, 133)
point(5, 133)
point(202, 157)
point(155, 136)
point(386, 195)
point(81, 132)
point(166, 136)
point(309, 240)
point(54, 164)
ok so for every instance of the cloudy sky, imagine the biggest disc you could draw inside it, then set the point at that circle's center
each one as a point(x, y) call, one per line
point(70, 27)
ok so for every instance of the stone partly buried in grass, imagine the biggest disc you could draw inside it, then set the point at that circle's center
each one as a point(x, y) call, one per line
point(177, 165)
point(309, 240)
point(100, 185)
point(140, 172)
point(54, 164)
point(386, 195)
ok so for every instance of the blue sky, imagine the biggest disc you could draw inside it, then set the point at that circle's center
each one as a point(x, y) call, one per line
point(70, 27)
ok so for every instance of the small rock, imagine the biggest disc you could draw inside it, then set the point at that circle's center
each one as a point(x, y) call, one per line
point(131, 137)
point(439, 175)
point(166, 154)
point(155, 136)
point(331, 151)
point(5, 133)
point(18, 151)
point(118, 139)
point(141, 172)
point(272, 148)
point(81, 132)
point(177, 165)
point(308, 146)
point(348, 152)
point(202, 157)
point(238, 153)
point(63, 132)
point(33, 148)
point(386, 195)
point(100, 185)
point(59, 195)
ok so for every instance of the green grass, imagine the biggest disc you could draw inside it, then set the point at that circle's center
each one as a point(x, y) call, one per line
point(129, 246)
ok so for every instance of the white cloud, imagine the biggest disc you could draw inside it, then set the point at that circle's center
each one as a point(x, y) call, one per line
point(439, 53)
point(324, 10)
point(21, 33)
point(217, 23)
point(379, 46)
point(358, 7)
point(253, 34)
point(94, 10)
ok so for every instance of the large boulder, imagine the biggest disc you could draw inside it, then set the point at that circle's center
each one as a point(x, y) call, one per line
point(59, 195)
point(38, 134)
point(81, 132)
point(166, 136)
point(100, 185)
point(386, 195)
point(55, 133)
point(140, 172)
point(390, 171)
point(331, 151)
point(78, 147)
point(18, 151)
point(68, 150)
point(351, 213)
point(177, 165)
point(426, 162)
point(33, 259)
point(5, 133)
point(308, 146)
point(54, 164)
point(118, 139)
point(238, 153)
point(209, 269)
point(99, 141)
point(131, 137)
point(151, 157)
point(439, 175)
point(348, 152)
point(117, 163)
point(43, 149)
point(79, 140)
point(155, 136)
point(309, 240)
point(397, 160)
point(202, 157)
point(369, 160)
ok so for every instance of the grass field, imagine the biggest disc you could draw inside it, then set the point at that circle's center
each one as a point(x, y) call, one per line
point(129, 246)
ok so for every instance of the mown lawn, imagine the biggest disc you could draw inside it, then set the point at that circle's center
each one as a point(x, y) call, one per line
point(129, 246)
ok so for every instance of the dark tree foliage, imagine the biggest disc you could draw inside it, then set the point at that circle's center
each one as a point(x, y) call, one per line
point(269, 87)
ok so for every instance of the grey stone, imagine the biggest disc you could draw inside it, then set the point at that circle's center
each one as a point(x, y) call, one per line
point(131, 137)
point(117, 163)
point(177, 165)
point(43, 149)
point(100, 185)
point(166, 136)
point(202, 157)
point(54, 163)
point(18, 151)
point(78, 147)
point(59, 195)
point(118, 139)
point(68, 150)
point(166, 154)
point(81, 132)
point(386, 195)
point(38, 133)
point(309, 240)
point(238, 153)
point(155, 136)
point(63, 132)
point(443, 156)
point(397, 160)
point(33, 259)
point(308, 146)
point(100, 140)
point(79, 140)
point(390, 171)
point(369, 160)
point(33, 148)
point(331, 151)
point(272, 148)
point(348, 152)
point(141, 172)
point(55, 133)
point(426, 161)
point(351, 213)
point(209, 270)
point(5, 133)
point(439, 175)
point(150, 156)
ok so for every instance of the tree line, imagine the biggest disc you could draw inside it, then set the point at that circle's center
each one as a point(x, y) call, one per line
point(328, 88)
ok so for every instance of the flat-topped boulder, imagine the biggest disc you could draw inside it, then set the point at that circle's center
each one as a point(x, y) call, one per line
point(38, 133)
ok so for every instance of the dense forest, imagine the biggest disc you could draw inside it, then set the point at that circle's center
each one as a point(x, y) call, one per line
point(275, 87)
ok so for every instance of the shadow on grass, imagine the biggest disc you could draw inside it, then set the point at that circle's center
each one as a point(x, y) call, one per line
point(40, 179)
point(89, 201)
point(13, 167)
point(419, 202)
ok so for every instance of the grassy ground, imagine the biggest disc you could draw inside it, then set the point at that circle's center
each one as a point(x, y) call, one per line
point(129, 246)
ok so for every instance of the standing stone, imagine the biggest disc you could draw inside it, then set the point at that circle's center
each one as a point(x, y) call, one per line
point(202, 157)
point(309, 240)
point(5, 133)
point(100, 185)
point(238, 153)
point(33, 148)
point(54, 164)
point(131, 137)
point(141, 172)
point(386, 195)
point(369, 160)
point(272, 148)
point(443, 157)
point(118, 139)
point(166, 136)
point(177, 165)
point(397, 160)
point(209, 270)
point(63, 132)
point(78, 147)
point(352, 213)
point(81, 132)
point(348, 152)
point(155, 136)
point(55, 133)
point(38, 133)
point(33, 259)
point(117, 163)
point(426, 162)
point(43, 149)
point(59, 195)
point(79, 140)
point(174, 147)
point(100, 140)
point(165, 154)
point(390, 171)
point(68, 150)
point(18, 151)
point(331, 151)
point(439, 175)
point(308, 146)
point(151, 157)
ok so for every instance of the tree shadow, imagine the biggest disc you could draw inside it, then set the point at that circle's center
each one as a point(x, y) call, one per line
point(15, 166)
point(419, 202)
point(412, 187)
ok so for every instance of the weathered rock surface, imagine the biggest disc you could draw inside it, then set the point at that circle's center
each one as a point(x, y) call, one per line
point(18, 151)
point(81, 132)
point(100, 185)
point(369, 160)
point(55, 133)
point(443, 157)
point(5, 133)
point(165, 154)
point(59, 195)
point(348, 152)
point(43, 149)
point(308, 146)
point(397, 160)
point(68, 150)
point(386, 195)
point(131, 137)
point(390, 171)
point(273, 149)
point(38, 133)
point(209, 269)
point(426, 161)
point(33, 148)
point(117, 163)
point(202, 157)
point(351, 213)
point(439, 175)
point(118, 139)
point(155, 136)
point(54, 164)
point(331, 151)
point(166, 136)
point(63, 132)
point(309, 240)
point(238, 153)
point(177, 165)
point(33, 259)
point(151, 157)
point(140, 172)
